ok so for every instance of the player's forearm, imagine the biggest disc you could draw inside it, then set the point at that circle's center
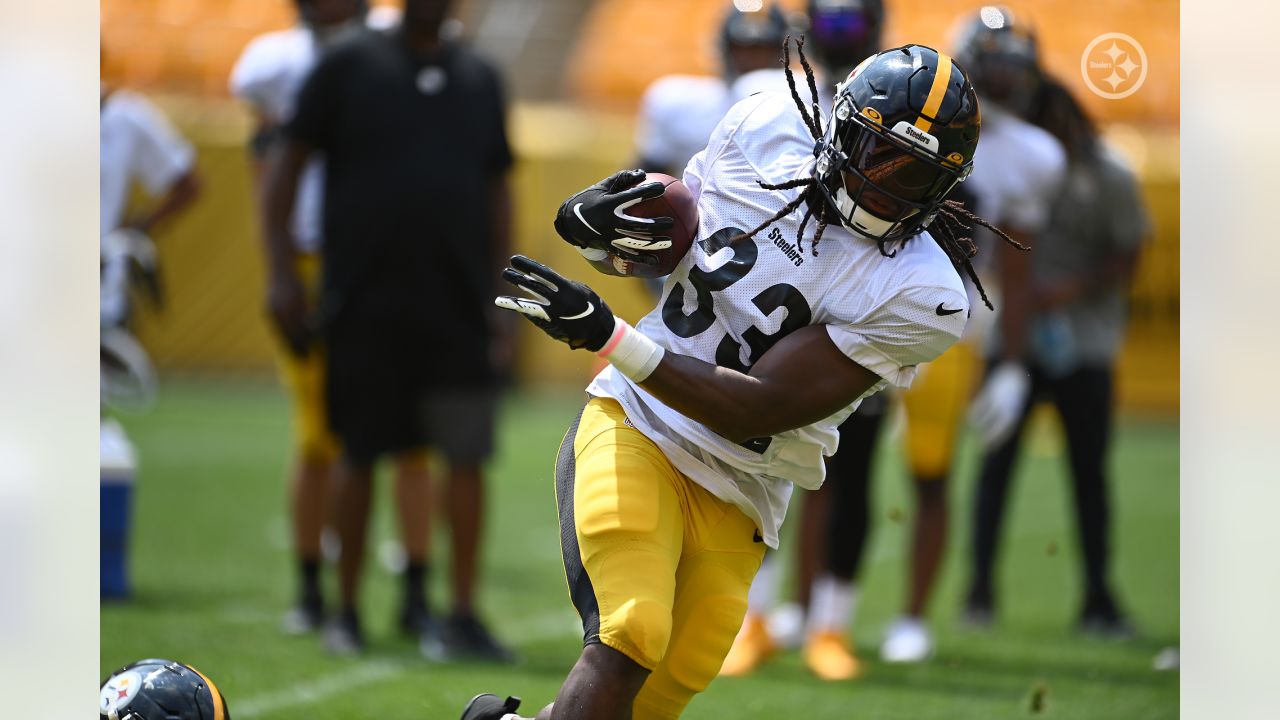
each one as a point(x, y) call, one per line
point(179, 197)
point(279, 189)
point(1016, 298)
point(737, 406)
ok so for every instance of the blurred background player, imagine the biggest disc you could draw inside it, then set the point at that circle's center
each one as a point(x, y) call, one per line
point(678, 112)
point(138, 146)
point(1082, 270)
point(1016, 172)
point(412, 130)
point(835, 520)
point(268, 76)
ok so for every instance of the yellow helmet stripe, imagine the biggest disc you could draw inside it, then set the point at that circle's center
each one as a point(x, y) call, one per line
point(219, 712)
point(936, 93)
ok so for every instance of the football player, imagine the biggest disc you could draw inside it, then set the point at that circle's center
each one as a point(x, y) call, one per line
point(677, 473)
point(1016, 172)
point(268, 76)
point(160, 690)
point(835, 519)
point(138, 145)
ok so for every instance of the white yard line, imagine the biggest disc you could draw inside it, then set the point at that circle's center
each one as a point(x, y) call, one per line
point(549, 626)
point(321, 688)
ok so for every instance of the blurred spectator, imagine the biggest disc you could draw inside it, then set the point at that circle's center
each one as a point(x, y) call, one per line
point(1082, 268)
point(268, 76)
point(415, 223)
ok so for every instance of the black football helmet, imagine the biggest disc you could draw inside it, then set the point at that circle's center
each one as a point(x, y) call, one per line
point(843, 33)
point(160, 690)
point(1003, 58)
point(903, 131)
point(768, 27)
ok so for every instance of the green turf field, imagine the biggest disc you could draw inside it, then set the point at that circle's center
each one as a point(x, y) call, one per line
point(213, 574)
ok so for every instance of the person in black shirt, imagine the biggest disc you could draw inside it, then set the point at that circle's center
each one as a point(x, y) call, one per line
point(415, 225)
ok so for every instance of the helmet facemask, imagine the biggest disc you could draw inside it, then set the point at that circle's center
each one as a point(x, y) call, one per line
point(882, 183)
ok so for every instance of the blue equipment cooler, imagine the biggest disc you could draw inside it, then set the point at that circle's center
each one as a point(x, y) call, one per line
point(118, 466)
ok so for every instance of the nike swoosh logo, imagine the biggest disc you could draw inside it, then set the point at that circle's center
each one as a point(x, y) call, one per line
point(590, 308)
point(943, 311)
point(577, 210)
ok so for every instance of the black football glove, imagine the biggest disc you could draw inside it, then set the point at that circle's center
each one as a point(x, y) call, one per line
point(566, 310)
point(596, 218)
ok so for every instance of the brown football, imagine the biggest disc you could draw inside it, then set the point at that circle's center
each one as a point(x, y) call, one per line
point(677, 203)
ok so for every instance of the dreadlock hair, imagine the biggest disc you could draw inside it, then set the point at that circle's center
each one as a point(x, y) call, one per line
point(950, 226)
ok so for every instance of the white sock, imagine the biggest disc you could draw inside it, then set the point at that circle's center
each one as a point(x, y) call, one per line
point(763, 595)
point(832, 603)
point(511, 716)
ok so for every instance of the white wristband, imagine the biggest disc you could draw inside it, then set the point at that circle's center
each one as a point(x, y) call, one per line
point(631, 351)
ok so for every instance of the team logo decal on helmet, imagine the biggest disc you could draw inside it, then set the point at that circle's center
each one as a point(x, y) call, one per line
point(903, 133)
point(119, 691)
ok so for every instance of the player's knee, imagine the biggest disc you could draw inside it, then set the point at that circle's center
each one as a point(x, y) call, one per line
point(640, 629)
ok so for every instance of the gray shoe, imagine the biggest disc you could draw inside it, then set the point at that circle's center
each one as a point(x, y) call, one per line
point(342, 636)
point(303, 619)
point(465, 637)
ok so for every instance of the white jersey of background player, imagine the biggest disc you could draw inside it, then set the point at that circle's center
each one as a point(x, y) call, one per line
point(268, 76)
point(724, 304)
point(678, 112)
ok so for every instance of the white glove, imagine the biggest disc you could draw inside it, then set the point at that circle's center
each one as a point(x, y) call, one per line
point(998, 405)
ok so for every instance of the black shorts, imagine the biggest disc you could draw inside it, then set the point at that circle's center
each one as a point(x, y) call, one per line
point(388, 391)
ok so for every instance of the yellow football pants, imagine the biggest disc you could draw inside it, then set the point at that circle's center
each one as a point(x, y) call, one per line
point(657, 566)
point(303, 379)
point(935, 405)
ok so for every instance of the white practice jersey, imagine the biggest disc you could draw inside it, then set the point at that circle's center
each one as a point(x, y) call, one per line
point(137, 144)
point(268, 76)
point(1018, 169)
point(677, 115)
point(728, 304)
point(678, 112)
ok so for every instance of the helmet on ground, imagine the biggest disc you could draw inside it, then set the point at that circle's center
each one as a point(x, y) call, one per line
point(160, 690)
point(843, 33)
point(1002, 56)
point(903, 132)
